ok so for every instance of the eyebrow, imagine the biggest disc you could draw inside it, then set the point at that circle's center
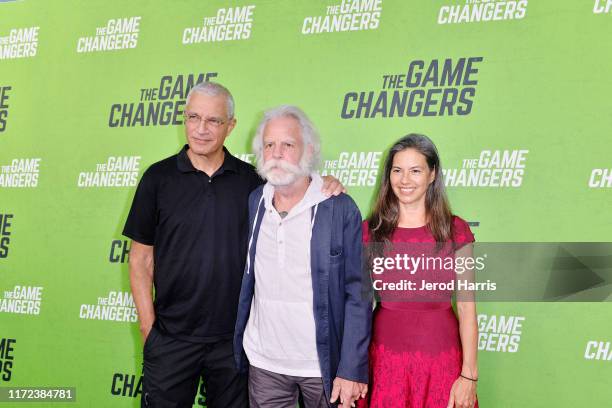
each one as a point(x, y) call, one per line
point(409, 168)
point(187, 112)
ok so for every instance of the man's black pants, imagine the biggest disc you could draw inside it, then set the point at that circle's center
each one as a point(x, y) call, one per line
point(172, 371)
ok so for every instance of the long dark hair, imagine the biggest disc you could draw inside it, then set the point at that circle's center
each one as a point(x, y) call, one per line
point(385, 215)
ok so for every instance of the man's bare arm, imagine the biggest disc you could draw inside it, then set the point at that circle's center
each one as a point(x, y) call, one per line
point(141, 282)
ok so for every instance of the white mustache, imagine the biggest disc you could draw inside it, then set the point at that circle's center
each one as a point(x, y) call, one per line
point(281, 164)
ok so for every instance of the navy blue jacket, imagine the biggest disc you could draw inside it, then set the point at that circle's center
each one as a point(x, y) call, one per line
point(341, 292)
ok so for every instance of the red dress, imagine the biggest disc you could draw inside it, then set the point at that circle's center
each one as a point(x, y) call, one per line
point(415, 352)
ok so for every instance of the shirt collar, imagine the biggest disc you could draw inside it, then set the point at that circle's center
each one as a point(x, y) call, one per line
point(312, 196)
point(230, 163)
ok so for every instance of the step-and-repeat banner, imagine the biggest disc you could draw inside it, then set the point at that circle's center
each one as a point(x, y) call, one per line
point(516, 95)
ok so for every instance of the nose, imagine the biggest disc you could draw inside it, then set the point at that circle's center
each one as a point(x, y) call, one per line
point(202, 128)
point(277, 152)
point(405, 177)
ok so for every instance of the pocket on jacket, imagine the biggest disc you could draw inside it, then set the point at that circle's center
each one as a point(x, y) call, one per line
point(335, 253)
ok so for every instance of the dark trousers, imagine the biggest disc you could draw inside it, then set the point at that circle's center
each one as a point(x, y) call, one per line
point(172, 371)
point(273, 390)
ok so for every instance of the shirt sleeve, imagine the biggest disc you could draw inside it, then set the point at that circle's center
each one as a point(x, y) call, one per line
point(141, 222)
point(365, 232)
point(353, 364)
point(255, 180)
point(462, 234)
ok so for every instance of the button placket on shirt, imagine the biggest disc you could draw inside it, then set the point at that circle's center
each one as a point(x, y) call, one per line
point(208, 185)
point(280, 241)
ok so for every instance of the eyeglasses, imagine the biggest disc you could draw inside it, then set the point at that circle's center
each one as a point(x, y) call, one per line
point(193, 119)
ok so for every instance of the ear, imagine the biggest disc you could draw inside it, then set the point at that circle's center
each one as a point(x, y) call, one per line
point(310, 149)
point(432, 175)
point(230, 126)
point(308, 153)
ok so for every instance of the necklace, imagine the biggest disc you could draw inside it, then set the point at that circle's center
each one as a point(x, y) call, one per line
point(282, 214)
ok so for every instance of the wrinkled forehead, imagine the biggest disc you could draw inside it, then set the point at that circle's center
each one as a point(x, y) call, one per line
point(285, 128)
point(207, 105)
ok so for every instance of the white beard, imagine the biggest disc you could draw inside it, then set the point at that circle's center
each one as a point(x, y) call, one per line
point(281, 173)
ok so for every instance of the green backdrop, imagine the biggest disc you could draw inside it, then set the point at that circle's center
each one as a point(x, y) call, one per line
point(91, 94)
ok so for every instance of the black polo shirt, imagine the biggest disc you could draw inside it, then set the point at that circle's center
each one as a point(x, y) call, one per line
point(198, 226)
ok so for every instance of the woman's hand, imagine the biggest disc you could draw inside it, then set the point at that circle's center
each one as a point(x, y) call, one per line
point(463, 394)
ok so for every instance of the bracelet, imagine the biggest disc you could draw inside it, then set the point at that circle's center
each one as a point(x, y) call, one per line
point(468, 378)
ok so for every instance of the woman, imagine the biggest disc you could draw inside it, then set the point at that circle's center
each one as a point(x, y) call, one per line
point(420, 355)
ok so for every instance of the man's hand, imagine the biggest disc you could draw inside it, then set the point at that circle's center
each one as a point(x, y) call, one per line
point(363, 389)
point(332, 186)
point(144, 332)
point(348, 391)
